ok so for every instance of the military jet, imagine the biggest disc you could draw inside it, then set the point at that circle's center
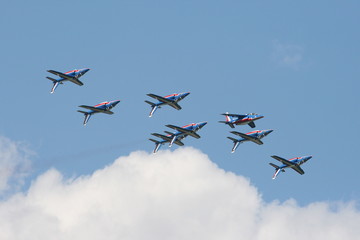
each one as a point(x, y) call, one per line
point(72, 76)
point(176, 137)
point(171, 100)
point(253, 136)
point(103, 107)
point(241, 119)
point(293, 163)
point(166, 138)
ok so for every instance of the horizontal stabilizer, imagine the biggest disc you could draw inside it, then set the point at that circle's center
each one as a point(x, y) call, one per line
point(275, 166)
point(151, 103)
point(233, 139)
point(229, 123)
point(51, 79)
point(167, 132)
point(83, 112)
point(153, 140)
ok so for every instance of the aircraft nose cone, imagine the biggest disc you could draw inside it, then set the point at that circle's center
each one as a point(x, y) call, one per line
point(116, 102)
point(267, 132)
point(203, 124)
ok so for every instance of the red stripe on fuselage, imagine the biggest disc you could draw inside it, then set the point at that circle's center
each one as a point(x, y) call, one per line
point(71, 71)
point(192, 124)
point(171, 95)
point(100, 104)
point(257, 131)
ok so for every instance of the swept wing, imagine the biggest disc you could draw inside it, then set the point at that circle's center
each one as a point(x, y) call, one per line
point(96, 109)
point(294, 166)
point(185, 131)
point(62, 75)
point(169, 138)
point(234, 115)
point(164, 100)
point(247, 137)
point(251, 124)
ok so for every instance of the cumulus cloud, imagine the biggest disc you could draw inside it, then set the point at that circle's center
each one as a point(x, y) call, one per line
point(168, 195)
point(289, 55)
point(14, 164)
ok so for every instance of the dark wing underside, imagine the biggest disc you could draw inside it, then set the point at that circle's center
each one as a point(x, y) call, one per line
point(168, 138)
point(251, 124)
point(66, 77)
point(166, 101)
point(294, 166)
point(185, 131)
point(247, 137)
point(96, 109)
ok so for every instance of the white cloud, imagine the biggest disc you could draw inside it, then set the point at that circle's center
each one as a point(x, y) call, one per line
point(14, 164)
point(288, 55)
point(168, 195)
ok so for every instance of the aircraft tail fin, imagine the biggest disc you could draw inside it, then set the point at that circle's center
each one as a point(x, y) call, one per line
point(157, 144)
point(154, 107)
point(56, 83)
point(87, 116)
point(277, 170)
point(236, 144)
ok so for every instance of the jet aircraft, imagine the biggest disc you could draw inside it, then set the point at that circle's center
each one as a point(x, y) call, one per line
point(253, 136)
point(171, 100)
point(241, 119)
point(103, 107)
point(293, 163)
point(176, 137)
point(72, 76)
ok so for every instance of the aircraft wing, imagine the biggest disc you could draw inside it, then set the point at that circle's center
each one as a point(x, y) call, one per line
point(164, 100)
point(163, 137)
point(234, 115)
point(247, 137)
point(175, 105)
point(96, 109)
point(168, 138)
point(298, 169)
point(185, 131)
point(76, 81)
point(284, 161)
point(64, 76)
point(294, 166)
point(251, 124)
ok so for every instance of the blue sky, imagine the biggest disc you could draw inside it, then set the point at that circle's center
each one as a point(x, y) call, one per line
point(296, 63)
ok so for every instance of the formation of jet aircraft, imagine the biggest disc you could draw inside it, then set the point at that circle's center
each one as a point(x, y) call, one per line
point(72, 76)
point(171, 100)
point(253, 136)
point(176, 137)
point(293, 163)
point(188, 130)
point(103, 107)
